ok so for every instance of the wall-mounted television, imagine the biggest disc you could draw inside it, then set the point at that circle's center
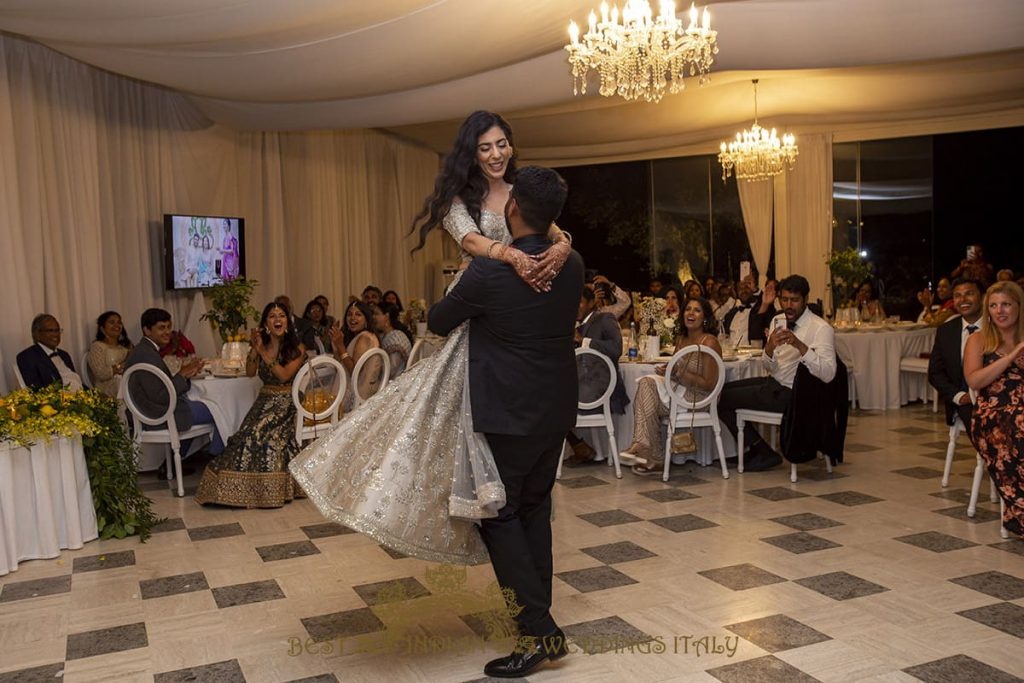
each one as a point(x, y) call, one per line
point(203, 251)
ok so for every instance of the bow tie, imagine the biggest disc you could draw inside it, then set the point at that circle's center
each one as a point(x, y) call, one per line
point(54, 354)
point(743, 307)
point(971, 329)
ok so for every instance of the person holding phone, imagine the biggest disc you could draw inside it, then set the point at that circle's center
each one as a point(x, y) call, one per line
point(975, 267)
point(795, 336)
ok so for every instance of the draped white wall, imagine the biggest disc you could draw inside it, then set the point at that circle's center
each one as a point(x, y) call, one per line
point(756, 200)
point(92, 161)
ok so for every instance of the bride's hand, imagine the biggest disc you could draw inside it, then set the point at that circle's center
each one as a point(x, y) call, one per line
point(548, 265)
point(522, 264)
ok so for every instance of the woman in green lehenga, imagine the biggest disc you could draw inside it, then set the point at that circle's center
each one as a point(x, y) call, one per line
point(253, 470)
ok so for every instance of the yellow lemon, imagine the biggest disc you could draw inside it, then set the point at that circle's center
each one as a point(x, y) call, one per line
point(48, 411)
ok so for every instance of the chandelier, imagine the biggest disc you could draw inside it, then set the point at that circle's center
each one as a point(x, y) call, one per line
point(756, 154)
point(642, 56)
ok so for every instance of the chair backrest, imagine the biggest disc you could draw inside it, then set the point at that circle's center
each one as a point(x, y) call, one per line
point(18, 377)
point(678, 391)
point(320, 368)
point(385, 373)
point(319, 345)
point(140, 418)
point(586, 360)
point(83, 371)
point(420, 350)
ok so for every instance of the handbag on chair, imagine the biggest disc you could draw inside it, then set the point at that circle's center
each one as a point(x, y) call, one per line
point(684, 442)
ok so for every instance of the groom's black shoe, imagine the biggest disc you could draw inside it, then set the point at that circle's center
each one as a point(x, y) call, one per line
point(528, 655)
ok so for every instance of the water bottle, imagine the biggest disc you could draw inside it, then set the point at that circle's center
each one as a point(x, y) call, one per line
point(633, 350)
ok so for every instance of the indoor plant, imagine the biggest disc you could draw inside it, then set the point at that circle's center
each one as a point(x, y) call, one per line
point(230, 310)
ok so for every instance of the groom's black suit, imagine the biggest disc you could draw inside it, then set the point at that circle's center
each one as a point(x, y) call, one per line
point(522, 383)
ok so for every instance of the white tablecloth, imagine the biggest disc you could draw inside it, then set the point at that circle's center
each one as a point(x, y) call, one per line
point(876, 365)
point(45, 501)
point(706, 453)
point(228, 398)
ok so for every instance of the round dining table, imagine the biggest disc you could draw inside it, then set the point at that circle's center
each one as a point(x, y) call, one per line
point(741, 368)
point(875, 354)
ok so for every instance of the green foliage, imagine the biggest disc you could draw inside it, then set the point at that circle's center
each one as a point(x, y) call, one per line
point(848, 270)
point(122, 509)
point(230, 310)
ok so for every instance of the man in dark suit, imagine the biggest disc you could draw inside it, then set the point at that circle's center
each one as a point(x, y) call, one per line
point(522, 382)
point(945, 365)
point(750, 317)
point(149, 393)
point(43, 363)
point(597, 330)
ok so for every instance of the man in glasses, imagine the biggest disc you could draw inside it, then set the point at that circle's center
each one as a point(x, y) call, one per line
point(44, 363)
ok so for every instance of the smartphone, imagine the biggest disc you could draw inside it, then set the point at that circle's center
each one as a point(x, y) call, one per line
point(744, 269)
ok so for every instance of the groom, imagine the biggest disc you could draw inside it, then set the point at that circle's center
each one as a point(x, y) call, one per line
point(522, 382)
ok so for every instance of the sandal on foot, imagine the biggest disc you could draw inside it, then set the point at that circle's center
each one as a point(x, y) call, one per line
point(648, 469)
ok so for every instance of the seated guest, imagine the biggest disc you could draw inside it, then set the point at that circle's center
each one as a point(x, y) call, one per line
point(317, 328)
point(597, 330)
point(936, 309)
point(372, 295)
point(395, 337)
point(710, 287)
point(945, 365)
point(994, 367)
point(150, 395)
point(692, 289)
point(328, 319)
point(1004, 275)
point(867, 302)
point(391, 297)
point(746, 322)
point(695, 326)
point(723, 302)
point(350, 343)
point(107, 353)
point(300, 324)
point(672, 301)
point(797, 336)
point(43, 363)
point(975, 267)
point(656, 284)
point(252, 472)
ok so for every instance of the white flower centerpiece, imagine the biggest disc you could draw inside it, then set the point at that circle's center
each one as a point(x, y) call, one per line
point(650, 313)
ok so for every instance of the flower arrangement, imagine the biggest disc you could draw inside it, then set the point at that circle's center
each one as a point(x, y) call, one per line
point(650, 313)
point(667, 331)
point(28, 417)
point(417, 311)
point(230, 310)
point(848, 270)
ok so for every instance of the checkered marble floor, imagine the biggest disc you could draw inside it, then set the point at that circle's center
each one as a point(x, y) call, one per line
point(873, 574)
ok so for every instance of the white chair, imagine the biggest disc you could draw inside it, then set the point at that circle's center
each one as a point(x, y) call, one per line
point(169, 436)
point(743, 416)
point(602, 419)
point(420, 350)
point(358, 370)
point(684, 412)
point(919, 366)
point(972, 506)
point(310, 425)
point(83, 371)
point(954, 433)
point(18, 377)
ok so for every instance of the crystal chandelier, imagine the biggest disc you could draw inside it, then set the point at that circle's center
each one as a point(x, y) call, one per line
point(756, 154)
point(642, 56)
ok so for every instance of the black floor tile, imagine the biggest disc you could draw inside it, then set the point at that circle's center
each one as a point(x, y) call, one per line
point(936, 542)
point(287, 551)
point(605, 635)
point(595, 579)
point(741, 577)
point(777, 633)
point(106, 640)
point(1003, 616)
point(36, 588)
point(768, 669)
point(680, 523)
point(801, 542)
point(205, 533)
point(959, 669)
point(841, 586)
point(624, 551)
point(395, 590)
point(220, 672)
point(95, 563)
point(806, 521)
point(354, 622)
point(247, 593)
point(173, 585)
point(609, 518)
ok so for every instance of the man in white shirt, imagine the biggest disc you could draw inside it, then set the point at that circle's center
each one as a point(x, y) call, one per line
point(43, 364)
point(796, 336)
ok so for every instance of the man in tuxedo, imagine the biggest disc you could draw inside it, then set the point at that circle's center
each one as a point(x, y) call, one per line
point(43, 363)
point(749, 318)
point(945, 365)
point(797, 336)
point(523, 393)
point(149, 393)
point(597, 330)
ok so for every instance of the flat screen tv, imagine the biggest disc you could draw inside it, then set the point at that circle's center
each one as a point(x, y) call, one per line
point(202, 251)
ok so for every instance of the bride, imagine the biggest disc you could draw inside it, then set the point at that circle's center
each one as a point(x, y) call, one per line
point(406, 468)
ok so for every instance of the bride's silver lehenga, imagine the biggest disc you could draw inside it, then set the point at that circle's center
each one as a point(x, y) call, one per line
point(406, 468)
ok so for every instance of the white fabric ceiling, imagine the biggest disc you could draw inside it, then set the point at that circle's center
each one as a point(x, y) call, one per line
point(418, 66)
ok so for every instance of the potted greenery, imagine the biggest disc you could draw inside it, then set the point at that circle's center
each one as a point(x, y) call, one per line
point(230, 310)
point(848, 271)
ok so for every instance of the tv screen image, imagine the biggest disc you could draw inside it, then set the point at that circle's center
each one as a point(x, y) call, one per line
point(202, 251)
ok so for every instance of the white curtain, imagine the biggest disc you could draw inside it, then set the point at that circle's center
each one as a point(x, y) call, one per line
point(91, 162)
point(756, 201)
point(803, 215)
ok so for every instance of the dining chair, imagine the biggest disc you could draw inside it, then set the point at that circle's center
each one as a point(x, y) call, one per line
point(83, 371)
point(955, 430)
point(598, 395)
point(170, 435)
point(420, 350)
point(919, 366)
point(382, 381)
point(18, 377)
point(686, 411)
point(774, 420)
point(972, 506)
point(308, 424)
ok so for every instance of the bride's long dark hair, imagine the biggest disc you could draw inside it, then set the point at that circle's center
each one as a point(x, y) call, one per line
point(461, 176)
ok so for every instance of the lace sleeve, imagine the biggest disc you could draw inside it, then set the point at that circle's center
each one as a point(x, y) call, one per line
point(98, 363)
point(458, 222)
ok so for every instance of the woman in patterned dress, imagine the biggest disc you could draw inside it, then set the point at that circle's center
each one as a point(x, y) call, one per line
point(406, 468)
point(252, 472)
point(994, 367)
point(107, 353)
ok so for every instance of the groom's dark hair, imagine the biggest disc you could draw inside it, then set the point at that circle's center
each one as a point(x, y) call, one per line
point(540, 194)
